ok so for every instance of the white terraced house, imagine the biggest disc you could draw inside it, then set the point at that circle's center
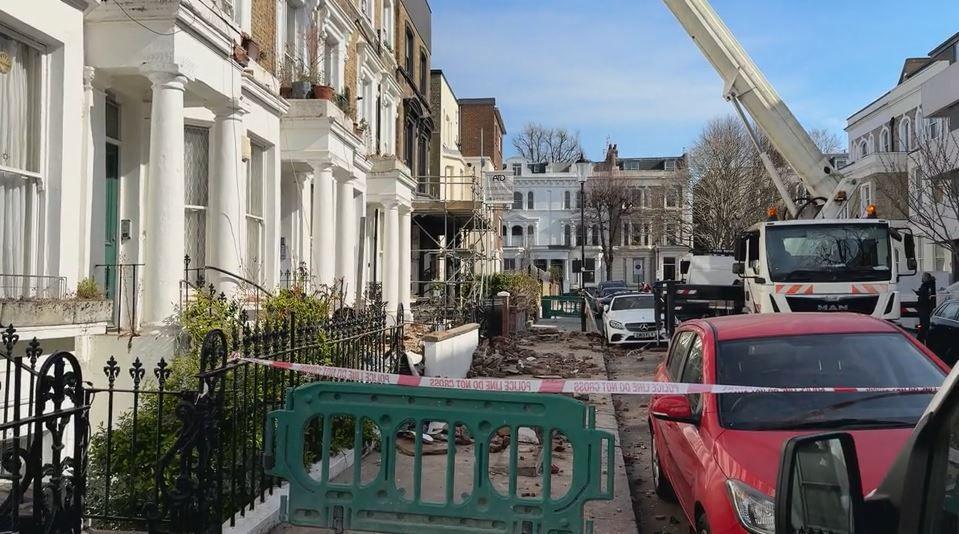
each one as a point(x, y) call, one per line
point(135, 133)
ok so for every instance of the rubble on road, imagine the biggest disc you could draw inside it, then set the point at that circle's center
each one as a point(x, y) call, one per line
point(515, 356)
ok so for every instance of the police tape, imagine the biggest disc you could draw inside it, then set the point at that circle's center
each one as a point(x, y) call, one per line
point(559, 385)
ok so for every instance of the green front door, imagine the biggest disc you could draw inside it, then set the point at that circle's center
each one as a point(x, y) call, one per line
point(110, 248)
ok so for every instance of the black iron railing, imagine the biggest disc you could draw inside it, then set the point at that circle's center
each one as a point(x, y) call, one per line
point(43, 445)
point(120, 283)
point(180, 448)
point(196, 278)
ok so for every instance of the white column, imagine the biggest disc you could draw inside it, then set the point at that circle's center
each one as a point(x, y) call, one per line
point(391, 255)
point(324, 227)
point(406, 259)
point(89, 175)
point(163, 201)
point(226, 228)
point(304, 182)
point(346, 237)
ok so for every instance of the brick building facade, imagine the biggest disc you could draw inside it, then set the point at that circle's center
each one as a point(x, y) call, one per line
point(415, 122)
point(482, 129)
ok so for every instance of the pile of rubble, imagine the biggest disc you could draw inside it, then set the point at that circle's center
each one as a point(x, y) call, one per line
point(413, 336)
point(515, 356)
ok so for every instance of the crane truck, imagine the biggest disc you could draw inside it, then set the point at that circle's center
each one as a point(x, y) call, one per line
point(817, 260)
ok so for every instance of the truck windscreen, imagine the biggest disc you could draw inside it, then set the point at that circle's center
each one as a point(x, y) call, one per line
point(828, 253)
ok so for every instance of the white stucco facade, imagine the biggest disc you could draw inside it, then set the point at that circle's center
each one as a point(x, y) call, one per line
point(43, 45)
point(144, 139)
point(885, 139)
point(541, 227)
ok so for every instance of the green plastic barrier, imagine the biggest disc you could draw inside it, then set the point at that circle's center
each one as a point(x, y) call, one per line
point(561, 306)
point(377, 497)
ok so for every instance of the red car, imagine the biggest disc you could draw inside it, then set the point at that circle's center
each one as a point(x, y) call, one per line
point(718, 455)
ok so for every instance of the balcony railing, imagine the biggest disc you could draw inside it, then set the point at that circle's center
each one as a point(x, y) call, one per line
point(32, 287)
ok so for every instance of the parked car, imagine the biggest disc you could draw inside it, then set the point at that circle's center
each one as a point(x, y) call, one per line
point(820, 488)
point(719, 454)
point(611, 283)
point(605, 295)
point(943, 337)
point(629, 318)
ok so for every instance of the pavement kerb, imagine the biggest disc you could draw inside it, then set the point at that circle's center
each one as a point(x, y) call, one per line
point(614, 516)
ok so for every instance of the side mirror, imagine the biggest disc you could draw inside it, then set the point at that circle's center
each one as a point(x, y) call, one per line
point(819, 487)
point(909, 245)
point(739, 254)
point(675, 408)
point(605, 308)
point(684, 266)
point(739, 268)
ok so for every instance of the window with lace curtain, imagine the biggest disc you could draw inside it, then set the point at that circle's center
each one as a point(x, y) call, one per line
point(196, 171)
point(21, 68)
point(254, 215)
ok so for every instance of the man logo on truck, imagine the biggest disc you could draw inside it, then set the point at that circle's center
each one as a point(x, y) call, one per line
point(832, 307)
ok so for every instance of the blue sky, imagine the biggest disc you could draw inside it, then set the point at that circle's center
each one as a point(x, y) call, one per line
point(626, 70)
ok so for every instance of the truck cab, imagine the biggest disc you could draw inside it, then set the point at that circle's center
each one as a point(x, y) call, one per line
point(848, 265)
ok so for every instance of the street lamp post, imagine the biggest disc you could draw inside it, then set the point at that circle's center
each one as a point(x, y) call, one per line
point(582, 170)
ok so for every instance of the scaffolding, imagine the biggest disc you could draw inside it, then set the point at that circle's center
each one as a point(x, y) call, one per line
point(458, 242)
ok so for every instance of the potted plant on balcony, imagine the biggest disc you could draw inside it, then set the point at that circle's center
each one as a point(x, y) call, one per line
point(252, 47)
point(287, 74)
point(315, 71)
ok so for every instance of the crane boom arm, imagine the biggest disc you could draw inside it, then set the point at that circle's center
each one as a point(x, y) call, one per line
point(745, 83)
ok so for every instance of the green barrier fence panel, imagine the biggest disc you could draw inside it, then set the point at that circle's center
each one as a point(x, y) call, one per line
point(469, 483)
point(561, 306)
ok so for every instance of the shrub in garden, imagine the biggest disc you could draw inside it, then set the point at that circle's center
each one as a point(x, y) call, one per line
point(124, 455)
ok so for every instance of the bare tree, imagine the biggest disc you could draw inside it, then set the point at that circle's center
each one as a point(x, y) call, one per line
point(731, 188)
point(541, 144)
point(827, 141)
point(927, 191)
point(611, 200)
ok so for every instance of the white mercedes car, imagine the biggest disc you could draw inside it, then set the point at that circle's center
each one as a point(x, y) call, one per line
point(630, 318)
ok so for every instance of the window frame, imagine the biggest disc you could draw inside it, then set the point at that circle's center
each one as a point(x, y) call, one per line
point(410, 52)
point(941, 311)
point(42, 80)
point(865, 197)
point(905, 138)
point(424, 78)
point(677, 190)
point(677, 343)
point(530, 200)
point(696, 399)
point(255, 266)
point(199, 209)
